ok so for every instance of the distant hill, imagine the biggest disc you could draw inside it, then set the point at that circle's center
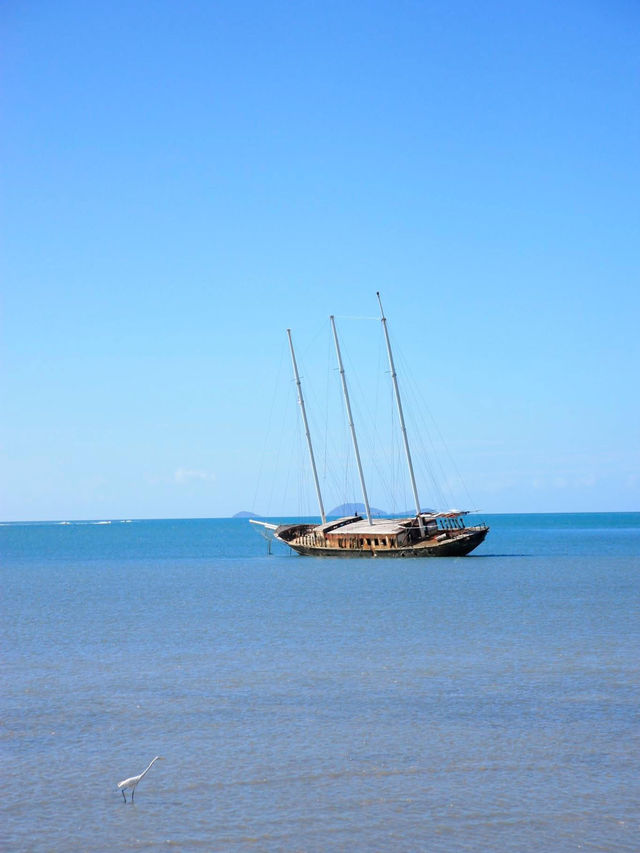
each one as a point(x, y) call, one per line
point(354, 509)
point(344, 510)
point(359, 509)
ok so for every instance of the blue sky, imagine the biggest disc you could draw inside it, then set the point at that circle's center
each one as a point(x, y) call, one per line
point(184, 181)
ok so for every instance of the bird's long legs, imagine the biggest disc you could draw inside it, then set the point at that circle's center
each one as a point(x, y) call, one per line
point(123, 797)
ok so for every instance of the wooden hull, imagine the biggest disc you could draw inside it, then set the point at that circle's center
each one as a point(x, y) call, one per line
point(457, 546)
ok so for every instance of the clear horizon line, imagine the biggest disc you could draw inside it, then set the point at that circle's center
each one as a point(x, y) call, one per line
point(99, 519)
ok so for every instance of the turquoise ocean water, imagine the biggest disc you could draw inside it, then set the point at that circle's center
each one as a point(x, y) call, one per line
point(486, 703)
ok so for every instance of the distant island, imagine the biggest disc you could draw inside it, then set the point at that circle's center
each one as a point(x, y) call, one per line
point(359, 509)
point(354, 509)
point(344, 510)
point(337, 512)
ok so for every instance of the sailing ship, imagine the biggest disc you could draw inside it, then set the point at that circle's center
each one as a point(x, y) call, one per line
point(425, 534)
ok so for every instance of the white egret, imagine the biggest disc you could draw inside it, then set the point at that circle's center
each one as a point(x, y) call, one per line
point(133, 780)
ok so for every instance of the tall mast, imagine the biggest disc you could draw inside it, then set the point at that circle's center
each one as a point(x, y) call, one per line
point(306, 428)
point(401, 416)
point(350, 418)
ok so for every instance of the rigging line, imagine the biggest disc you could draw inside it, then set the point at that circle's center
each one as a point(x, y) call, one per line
point(331, 451)
point(302, 352)
point(294, 469)
point(460, 483)
point(348, 490)
point(307, 508)
point(338, 459)
point(376, 408)
point(356, 394)
point(441, 451)
point(267, 434)
point(326, 410)
point(388, 485)
point(400, 498)
point(405, 440)
point(303, 412)
point(393, 506)
point(310, 341)
point(454, 465)
point(428, 454)
point(284, 435)
point(348, 317)
point(287, 476)
point(340, 467)
point(385, 462)
point(342, 452)
point(300, 475)
point(347, 402)
point(368, 427)
point(421, 407)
